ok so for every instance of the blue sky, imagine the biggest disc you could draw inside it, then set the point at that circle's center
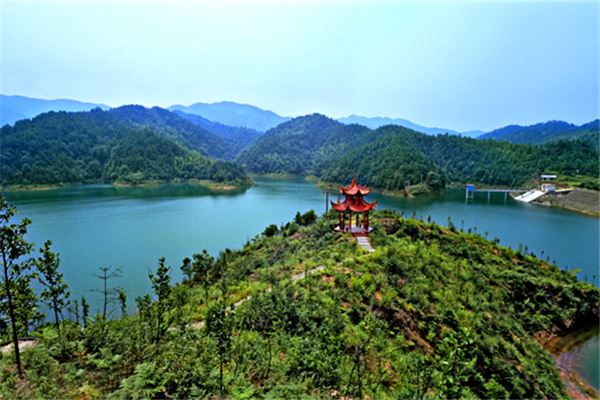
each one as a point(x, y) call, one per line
point(458, 65)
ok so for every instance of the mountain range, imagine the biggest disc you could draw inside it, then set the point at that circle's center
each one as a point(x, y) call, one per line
point(241, 124)
point(546, 132)
point(14, 108)
point(376, 122)
point(234, 114)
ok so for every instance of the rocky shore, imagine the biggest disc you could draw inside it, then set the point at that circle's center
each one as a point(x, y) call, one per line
point(566, 352)
point(580, 200)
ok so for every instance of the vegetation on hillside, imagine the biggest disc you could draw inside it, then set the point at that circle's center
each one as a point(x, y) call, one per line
point(237, 138)
point(432, 313)
point(100, 146)
point(388, 157)
point(399, 154)
point(173, 126)
point(304, 145)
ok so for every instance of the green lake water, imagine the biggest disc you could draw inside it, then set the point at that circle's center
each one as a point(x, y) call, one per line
point(99, 225)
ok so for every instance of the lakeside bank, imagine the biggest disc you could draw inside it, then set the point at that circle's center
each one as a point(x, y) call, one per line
point(568, 352)
point(585, 201)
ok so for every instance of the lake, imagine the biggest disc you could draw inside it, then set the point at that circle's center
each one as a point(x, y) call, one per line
point(130, 228)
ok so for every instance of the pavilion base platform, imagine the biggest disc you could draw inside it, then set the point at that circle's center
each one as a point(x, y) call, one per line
point(354, 230)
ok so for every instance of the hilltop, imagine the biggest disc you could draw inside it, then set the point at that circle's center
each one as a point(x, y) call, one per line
point(15, 108)
point(304, 145)
point(432, 312)
point(545, 132)
point(378, 122)
point(234, 114)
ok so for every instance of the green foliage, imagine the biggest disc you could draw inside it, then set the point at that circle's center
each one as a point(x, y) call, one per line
point(391, 156)
point(17, 299)
point(399, 154)
point(127, 145)
point(56, 291)
point(304, 145)
point(433, 312)
point(271, 230)
point(305, 219)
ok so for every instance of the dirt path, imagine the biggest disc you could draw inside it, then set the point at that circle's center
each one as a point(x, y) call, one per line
point(23, 344)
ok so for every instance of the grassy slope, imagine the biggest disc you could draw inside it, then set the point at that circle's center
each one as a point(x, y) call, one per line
point(433, 312)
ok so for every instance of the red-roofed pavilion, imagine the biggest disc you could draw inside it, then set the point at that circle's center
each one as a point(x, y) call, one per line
point(354, 204)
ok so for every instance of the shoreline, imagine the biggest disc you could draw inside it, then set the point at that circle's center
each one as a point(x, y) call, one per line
point(565, 351)
point(583, 201)
point(32, 188)
point(219, 187)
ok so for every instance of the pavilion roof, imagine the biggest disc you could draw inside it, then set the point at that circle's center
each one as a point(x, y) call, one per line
point(353, 188)
point(361, 206)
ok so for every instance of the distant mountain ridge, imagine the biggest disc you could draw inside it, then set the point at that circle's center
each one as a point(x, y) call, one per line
point(15, 108)
point(545, 132)
point(239, 125)
point(377, 122)
point(234, 114)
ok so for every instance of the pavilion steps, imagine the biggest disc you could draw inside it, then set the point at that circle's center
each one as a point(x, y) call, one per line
point(363, 243)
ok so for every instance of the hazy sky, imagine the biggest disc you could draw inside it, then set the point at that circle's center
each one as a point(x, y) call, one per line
point(467, 65)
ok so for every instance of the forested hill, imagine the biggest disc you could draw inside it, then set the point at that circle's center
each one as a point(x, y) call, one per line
point(304, 145)
point(173, 126)
point(546, 132)
point(389, 156)
point(238, 138)
point(103, 146)
point(399, 154)
point(432, 313)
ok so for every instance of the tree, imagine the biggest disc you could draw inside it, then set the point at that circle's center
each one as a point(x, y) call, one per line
point(85, 309)
point(271, 230)
point(56, 291)
point(305, 219)
point(219, 321)
point(15, 278)
point(109, 295)
point(198, 270)
point(218, 326)
point(161, 285)
point(122, 295)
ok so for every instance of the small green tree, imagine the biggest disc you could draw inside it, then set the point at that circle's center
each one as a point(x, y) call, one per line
point(161, 285)
point(218, 326)
point(56, 291)
point(15, 269)
point(122, 296)
point(199, 270)
point(271, 230)
point(85, 311)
